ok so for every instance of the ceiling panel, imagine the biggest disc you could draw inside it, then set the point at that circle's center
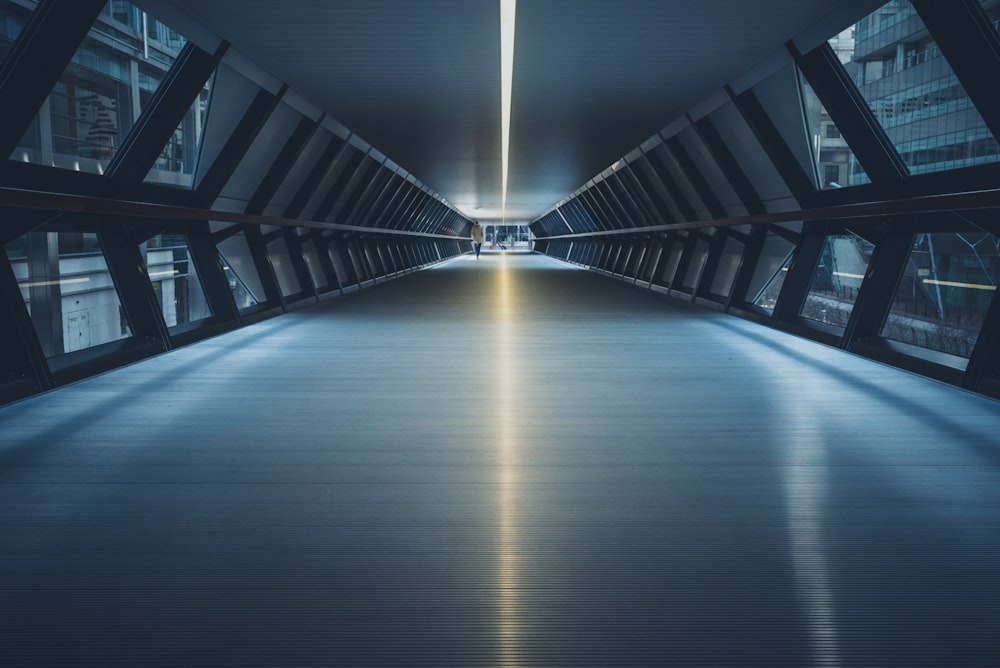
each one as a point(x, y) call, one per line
point(420, 79)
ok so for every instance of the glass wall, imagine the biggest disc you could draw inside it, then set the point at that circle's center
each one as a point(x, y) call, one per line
point(781, 96)
point(992, 9)
point(175, 280)
point(835, 162)
point(66, 285)
point(343, 276)
point(179, 158)
point(769, 274)
point(729, 265)
point(696, 265)
point(281, 260)
point(237, 262)
point(673, 260)
point(837, 279)
point(102, 92)
point(311, 255)
point(652, 261)
point(914, 93)
point(13, 16)
point(948, 284)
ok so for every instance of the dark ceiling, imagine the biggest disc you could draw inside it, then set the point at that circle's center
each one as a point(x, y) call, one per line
point(419, 80)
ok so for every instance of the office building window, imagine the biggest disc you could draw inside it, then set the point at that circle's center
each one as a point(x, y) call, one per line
point(914, 94)
point(67, 287)
point(13, 16)
point(100, 95)
point(992, 9)
point(946, 288)
point(882, 19)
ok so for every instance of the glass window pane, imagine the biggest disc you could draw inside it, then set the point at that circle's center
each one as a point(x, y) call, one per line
point(947, 287)
point(837, 279)
point(96, 100)
point(360, 265)
point(651, 261)
point(835, 160)
point(769, 275)
point(992, 9)
point(914, 93)
point(179, 157)
point(66, 285)
point(338, 263)
point(283, 269)
point(232, 94)
point(729, 265)
point(311, 255)
point(696, 266)
point(175, 280)
point(673, 260)
point(244, 282)
point(13, 16)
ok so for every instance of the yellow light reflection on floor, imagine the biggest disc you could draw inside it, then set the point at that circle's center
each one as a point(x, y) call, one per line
point(504, 372)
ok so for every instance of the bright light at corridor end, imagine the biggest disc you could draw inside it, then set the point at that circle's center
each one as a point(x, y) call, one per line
point(507, 9)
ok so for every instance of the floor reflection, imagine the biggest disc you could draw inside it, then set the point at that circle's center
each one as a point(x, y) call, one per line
point(507, 447)
point(806, 487)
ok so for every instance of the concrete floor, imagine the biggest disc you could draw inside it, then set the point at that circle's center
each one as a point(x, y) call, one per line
point(502, 462)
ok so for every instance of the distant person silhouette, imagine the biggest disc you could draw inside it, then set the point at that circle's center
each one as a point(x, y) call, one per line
point(477, 237)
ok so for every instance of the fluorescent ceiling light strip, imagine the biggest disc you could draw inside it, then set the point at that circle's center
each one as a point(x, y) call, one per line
point(507, 11)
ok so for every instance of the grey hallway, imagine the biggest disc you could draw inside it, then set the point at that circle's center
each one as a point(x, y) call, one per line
point(504, 462)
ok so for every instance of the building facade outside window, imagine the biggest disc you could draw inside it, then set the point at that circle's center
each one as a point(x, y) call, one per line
point(913, 92)
point(97, 100)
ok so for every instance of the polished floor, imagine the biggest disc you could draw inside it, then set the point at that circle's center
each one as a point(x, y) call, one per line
point(503, 462)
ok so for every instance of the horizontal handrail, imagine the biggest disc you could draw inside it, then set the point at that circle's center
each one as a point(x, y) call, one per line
point(967, 201)
point(34, 199)
point(49, 201)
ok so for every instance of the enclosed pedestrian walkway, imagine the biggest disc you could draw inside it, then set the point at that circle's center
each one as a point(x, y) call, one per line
point(509, 461)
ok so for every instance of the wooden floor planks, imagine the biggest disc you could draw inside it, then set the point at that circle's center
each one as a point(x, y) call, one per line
point(503, 462)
